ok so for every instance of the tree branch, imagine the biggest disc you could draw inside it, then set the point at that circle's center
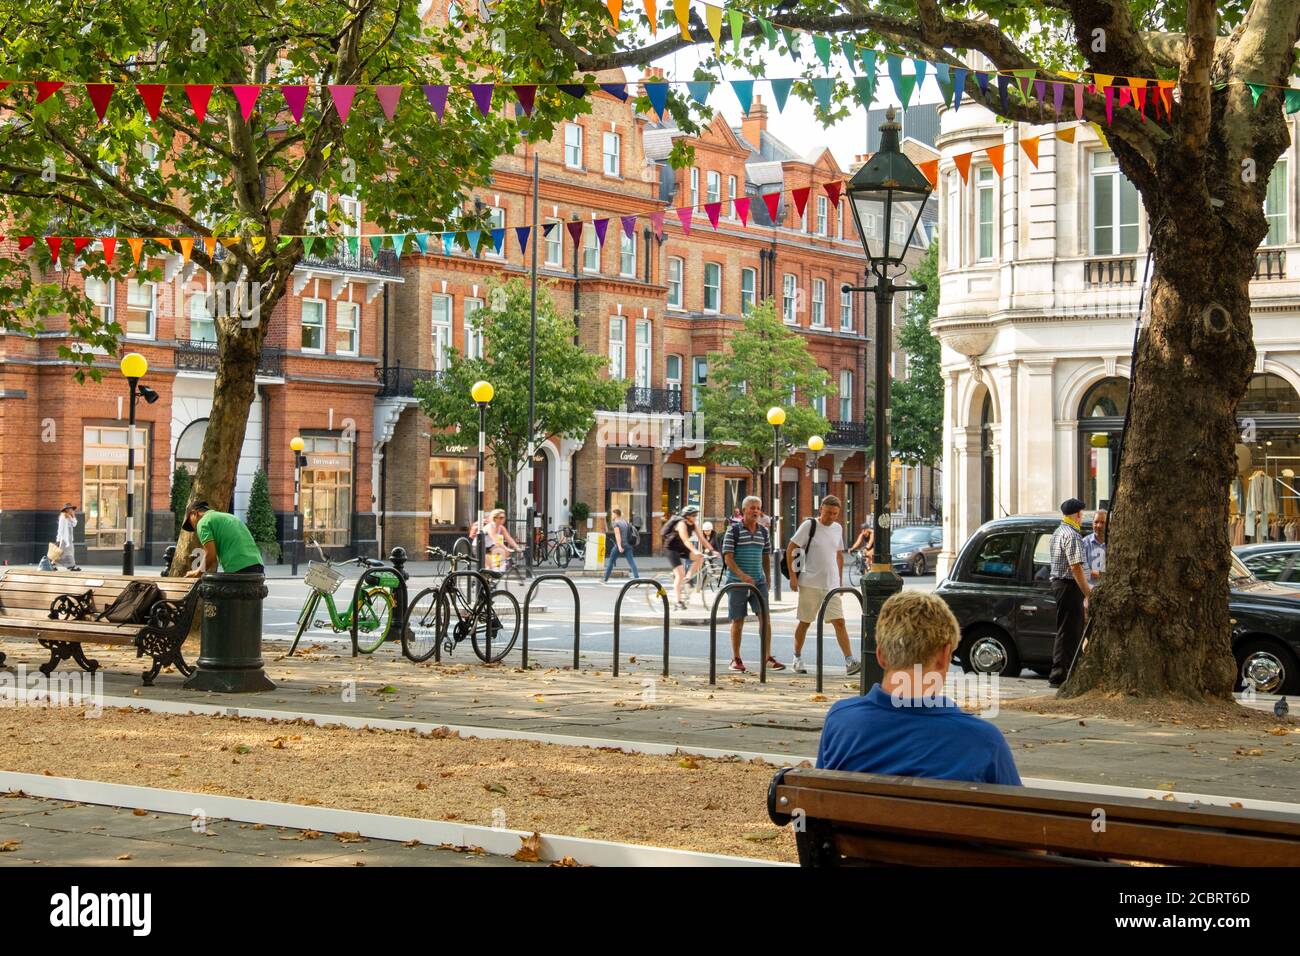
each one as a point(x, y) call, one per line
point(1194, 76)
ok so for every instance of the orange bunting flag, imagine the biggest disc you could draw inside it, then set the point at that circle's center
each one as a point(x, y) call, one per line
point(963, 165)
point(653, 14)
point(210, 245)
point(930, 170)
point(136, 246)
point(615, 8)
point(1066, 134)
point(1101, 80)
point(682, 8)
point(187, 246)
point(1030, 145)
point(995, 154)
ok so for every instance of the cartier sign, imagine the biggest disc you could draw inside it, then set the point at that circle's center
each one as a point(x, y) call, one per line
point(629, 456)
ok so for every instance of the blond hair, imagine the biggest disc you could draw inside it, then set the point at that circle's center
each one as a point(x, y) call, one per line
point(913, 628)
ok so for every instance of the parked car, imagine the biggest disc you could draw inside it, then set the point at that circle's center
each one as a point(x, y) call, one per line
point(1277, 562)
point(915, 549)
point(999, 591)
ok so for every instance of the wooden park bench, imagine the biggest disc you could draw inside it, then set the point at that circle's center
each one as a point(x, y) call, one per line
point(875, 820)
point(28, 599)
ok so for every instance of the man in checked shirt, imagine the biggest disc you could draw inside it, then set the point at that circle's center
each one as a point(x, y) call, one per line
point(1070, 587)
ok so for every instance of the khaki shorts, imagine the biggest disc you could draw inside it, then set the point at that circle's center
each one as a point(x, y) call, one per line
point(810, 599)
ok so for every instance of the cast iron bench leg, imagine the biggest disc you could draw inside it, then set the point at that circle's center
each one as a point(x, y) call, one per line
point(164, 650)
point(64, 650)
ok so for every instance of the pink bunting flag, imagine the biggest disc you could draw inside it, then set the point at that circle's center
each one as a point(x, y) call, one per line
point(1078, 101)
point(295, 97)
point(47, 88)
point(657, 222)
point(1110, 105)
point(575, 231)
point(1125, 94)
point(388, 97)
point(833, 190)
point(629, 226)
point(713, 210)
point(199, 94)
point(741, 206)
point(684, 214)
point(601, 226)
point(247, 96)
point(773, 202)
point(152, 94)
point(526, 93)
point(100, 94)
point(343, 97)
point(436, 94)
point(483, 96)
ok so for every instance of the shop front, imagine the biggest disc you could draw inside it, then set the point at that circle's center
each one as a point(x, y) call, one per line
point(104, 488)
point(627, 487)
point(451, 498)
point(327, 490)
point(1265, 498)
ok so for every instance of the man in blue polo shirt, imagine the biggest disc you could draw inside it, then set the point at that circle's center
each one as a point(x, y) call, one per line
point(905, 725)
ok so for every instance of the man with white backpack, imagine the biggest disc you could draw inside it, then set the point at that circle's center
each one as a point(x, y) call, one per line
point(815, 556)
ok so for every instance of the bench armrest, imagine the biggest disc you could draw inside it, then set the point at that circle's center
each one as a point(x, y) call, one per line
point(173, 618)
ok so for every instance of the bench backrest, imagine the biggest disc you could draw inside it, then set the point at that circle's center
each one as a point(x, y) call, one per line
point(25, 593)
point(920, 822)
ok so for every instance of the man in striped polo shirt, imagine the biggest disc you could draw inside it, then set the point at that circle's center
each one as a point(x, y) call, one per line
point(747, 551)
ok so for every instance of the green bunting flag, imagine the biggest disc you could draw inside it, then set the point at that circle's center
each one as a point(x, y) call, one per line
point(736, 20)
point(866, 88)
point(354, 246)
point(780, 92)
point(744, 93)
point(823, 47)
point(791, 41)
point(1256, 90)
point(824, 86)
point(850, 52)
point(919, 67)
point(1024, 78)
point(894, 65)
point(1293, 101)
point(308, 242)
point(944, 79)
point(376, 242)
point(869, 63)
point(768, 31)
point(399, 243)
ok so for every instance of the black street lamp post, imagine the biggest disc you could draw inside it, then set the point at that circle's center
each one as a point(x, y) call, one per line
point(482, 393)
point(296, 445)
point(888, 188)
point(776, 418)
point(133, 367)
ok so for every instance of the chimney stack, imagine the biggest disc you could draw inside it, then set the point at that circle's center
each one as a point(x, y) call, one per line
point(755, 121)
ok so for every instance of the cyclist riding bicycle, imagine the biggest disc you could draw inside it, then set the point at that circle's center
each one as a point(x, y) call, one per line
point(680, 547)
point(866, 541)
point(499, 542)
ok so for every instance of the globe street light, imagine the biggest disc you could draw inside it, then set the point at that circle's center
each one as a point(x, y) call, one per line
point(296, 445)
point(776, 418)
point(482, 393)
point(888, 188)
point(133, 366)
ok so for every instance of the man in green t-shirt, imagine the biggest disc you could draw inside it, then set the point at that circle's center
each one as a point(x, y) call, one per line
point(226, 541)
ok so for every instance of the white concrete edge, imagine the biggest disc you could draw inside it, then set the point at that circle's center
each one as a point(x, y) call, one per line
point(501, 842)
point(640, 747)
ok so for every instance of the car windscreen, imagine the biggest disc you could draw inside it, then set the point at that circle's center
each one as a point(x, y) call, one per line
point(910, 536)
point(1239, 574)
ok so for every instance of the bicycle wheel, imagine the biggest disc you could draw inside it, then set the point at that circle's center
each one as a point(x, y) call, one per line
point(562, 555)
point(372, 616)
point(499, 617)
point(854, 572)
point(304, 619)
point(421, 637)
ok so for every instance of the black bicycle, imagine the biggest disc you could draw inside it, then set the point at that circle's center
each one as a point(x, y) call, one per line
point(460, 608)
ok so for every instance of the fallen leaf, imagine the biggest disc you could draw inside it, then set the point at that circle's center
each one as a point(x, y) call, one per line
point(137, 812)
point(632, 659)
point(411, 843)
point(758, 835)
point(1236, 804)
point(8, 846)
point(278, 745)
point(817, 698)
point(529, 849)
point(421, 786)
point(688, 762)
point(347, 837)
point(494, 788)
point(1278, 731)
point(539, 698)
point(259, 826)
point(124, 856)
point(243, 749)
point(566, 861)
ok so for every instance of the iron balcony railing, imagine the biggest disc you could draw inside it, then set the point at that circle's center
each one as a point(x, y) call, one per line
point(848, 433)
point(364, 259)
point(1109, 272)
point(663, 400)
point(200, 355)
point(398, 380)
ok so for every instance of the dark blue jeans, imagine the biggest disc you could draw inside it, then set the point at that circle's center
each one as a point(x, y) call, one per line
point(614, 555)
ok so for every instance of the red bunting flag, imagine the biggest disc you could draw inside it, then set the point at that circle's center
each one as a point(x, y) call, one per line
point(1030, 145)
point(247, 97)
point(684, 214)
point(930, 170)
point(152, 94)
point(388, 97)
point(1140, 97)
point(343, 96)
point(199, 95)
point(575, 231)
point(295, 97)
point(833, 190)
point(4, 83)
point(45, 89)
point(100, 94)
point(773, 202)
point(54, 242)
point(25, 243)
point(109, 245)
point(800, 197)
point(1110, 105)
point(713, 210)
point(526, 93)
point(79, 243)
point(1125, 94)
point(995, 154)
point(741, 207)
point(962, 162)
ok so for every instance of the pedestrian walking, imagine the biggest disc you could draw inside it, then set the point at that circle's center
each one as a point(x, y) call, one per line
point(619, 539)
point(821, 540)
point(65, 538)
point(1070, 587)
point(747, 550)
point(1094, 548)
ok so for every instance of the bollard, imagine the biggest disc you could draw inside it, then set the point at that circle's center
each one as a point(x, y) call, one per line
point(230, 649)
point(713, 631)
point(577, 613)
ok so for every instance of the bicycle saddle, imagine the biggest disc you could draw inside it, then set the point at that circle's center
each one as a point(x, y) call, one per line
point(492, 575)
point(374, 563)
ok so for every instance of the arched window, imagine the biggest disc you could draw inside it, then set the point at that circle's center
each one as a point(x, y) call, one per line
point(1107, 399)
point(190, 444)
point(1101, 427)
point(1268, 394)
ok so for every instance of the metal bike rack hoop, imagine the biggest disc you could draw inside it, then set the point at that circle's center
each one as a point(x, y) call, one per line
point(618, 605)
point(713, 630)
point(821, 622)
point(577, 612)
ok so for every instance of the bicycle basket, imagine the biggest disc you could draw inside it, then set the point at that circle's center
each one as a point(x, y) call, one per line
point(322, 578)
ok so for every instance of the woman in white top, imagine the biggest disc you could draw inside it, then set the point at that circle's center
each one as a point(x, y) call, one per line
point(65, 537)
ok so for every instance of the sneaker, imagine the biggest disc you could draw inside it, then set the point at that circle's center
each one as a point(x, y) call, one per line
point(796, 666)
point(736, 665)
point(852, 668)
point(774, 665)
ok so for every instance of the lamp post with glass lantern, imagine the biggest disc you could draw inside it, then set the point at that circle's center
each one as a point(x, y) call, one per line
point(296, 445)
point(887, 187)
point(133, 366)
point(776, 418)
point(482, 393)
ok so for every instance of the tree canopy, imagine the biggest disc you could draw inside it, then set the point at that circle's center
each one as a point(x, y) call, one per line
point(916, 401)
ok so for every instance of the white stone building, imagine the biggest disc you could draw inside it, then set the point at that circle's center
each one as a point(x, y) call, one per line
point(1041, 275)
